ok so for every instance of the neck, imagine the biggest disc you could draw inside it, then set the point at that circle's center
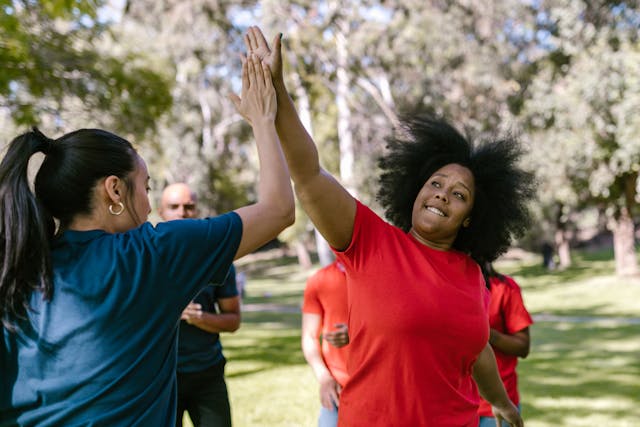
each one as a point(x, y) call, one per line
point(439, 245)
point(87, 223)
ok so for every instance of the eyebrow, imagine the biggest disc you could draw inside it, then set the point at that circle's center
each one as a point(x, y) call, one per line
point(459, 182)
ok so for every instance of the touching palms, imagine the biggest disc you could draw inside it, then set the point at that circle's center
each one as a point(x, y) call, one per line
point(257, 44)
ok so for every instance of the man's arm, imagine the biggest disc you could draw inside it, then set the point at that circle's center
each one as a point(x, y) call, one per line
point(329, 387)
point(228, 320)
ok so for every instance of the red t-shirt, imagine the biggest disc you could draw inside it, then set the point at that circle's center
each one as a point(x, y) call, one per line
point(507, 314)
point(326, 295)
point(417, 322)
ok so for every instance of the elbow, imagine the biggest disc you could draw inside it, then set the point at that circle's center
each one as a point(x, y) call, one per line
point(290, 216)
point(524, 353)
point(287, 215)
point(234, 326)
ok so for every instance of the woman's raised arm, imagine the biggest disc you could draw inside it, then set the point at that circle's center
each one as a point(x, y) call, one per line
point(329, 205)
point(274, 210)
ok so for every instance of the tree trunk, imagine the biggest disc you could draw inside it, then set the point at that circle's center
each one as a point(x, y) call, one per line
point(304, 259)
point(325, 255)
point(345, 137)
point(624, 245)
point(561, 239)
point(564, 251)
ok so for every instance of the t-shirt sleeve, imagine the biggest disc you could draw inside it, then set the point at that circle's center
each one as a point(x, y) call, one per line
point(367, 229)
point(311, 302)
point(516, 316)
point(195, 252)
point(228, 289)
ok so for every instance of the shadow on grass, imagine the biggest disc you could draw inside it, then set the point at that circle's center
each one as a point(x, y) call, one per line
point(577, 370)
point(266, 341)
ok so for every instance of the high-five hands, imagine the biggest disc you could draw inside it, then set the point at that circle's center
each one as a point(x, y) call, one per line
point(256, 44)
point(258, 98)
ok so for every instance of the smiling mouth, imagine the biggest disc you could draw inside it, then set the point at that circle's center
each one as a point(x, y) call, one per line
point(435, 211)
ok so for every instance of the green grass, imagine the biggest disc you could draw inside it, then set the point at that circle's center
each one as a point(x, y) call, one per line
point(583, 369)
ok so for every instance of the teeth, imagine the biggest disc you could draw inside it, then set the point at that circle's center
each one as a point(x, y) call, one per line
point(435, 210)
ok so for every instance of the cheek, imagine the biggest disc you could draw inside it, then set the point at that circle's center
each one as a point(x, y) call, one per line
point(144, 203)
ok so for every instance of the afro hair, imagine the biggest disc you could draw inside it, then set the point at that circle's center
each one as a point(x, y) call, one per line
point(503, 189)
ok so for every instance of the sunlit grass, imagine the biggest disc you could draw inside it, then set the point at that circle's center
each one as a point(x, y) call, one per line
point(583, 369)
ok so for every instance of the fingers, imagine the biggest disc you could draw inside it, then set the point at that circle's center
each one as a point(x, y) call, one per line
point(277, 40)
point(251, 70)
point(258, 39)
point(266, 73)
point(235, 99)
point(251, 38)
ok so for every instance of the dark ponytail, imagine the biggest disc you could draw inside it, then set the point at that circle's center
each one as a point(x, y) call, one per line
point(64, 188)
point(26, 229)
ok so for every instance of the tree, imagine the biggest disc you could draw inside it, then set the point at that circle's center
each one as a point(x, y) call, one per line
point(582, 113)
point(57, 70)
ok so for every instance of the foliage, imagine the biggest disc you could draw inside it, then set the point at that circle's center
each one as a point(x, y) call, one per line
point(58, 70)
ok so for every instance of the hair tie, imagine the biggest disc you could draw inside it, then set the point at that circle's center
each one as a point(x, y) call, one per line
point(45, 144)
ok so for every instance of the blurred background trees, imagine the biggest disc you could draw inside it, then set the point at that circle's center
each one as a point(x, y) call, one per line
point(562, 74)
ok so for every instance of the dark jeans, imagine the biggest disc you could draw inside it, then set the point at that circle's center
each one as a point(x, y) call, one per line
point(204, 396)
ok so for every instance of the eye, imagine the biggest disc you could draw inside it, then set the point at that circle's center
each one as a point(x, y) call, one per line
point(435, 184)
point(459, 195)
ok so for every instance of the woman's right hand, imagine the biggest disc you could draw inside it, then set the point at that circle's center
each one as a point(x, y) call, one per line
point(258, 98)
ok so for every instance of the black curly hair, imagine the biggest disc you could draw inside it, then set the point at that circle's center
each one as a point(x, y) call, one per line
point(502, 188)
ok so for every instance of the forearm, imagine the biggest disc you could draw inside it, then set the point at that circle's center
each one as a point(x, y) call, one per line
point(217, 322)
point(297, 144)
point(487, 377)
point(274, 186)
point(275, 208)
point(515, 345)
point(311, 351)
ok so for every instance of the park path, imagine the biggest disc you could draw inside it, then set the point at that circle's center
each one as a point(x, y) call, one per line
point(601, 320)
point(539, 317)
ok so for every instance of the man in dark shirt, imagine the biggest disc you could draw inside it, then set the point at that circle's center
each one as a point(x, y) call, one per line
point(202, 390)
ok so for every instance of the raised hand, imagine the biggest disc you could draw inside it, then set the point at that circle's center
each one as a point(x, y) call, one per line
point(258, 98)
point(256, 44)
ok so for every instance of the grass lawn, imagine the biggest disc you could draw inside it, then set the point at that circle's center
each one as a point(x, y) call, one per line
point(583, 369)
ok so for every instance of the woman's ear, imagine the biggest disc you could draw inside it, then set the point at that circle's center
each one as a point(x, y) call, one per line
point(466, 222)
point(113, 188)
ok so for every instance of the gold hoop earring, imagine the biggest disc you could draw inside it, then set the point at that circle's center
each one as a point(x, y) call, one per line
point(112, 212)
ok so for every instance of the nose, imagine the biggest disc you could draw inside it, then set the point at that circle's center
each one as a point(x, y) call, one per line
point(442, 196)
point(181, 212)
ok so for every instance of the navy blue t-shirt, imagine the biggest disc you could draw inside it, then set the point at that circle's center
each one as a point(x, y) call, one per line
point(197, 348)
point(102, 351)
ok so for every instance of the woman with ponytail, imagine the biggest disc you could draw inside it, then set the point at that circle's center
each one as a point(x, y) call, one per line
point(90, 293)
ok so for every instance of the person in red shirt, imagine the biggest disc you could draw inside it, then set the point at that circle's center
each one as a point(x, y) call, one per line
point(325, 336)
point(509, 335)
point(418, 325)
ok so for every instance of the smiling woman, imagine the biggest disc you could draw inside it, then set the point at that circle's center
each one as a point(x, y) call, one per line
point(418, 321)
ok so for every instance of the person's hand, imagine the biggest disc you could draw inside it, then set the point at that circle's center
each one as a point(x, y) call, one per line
point(329, 391)
point(339, 337)
point(256, 44)
point(509, 414)
point(192, 313)
point(258, 99)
